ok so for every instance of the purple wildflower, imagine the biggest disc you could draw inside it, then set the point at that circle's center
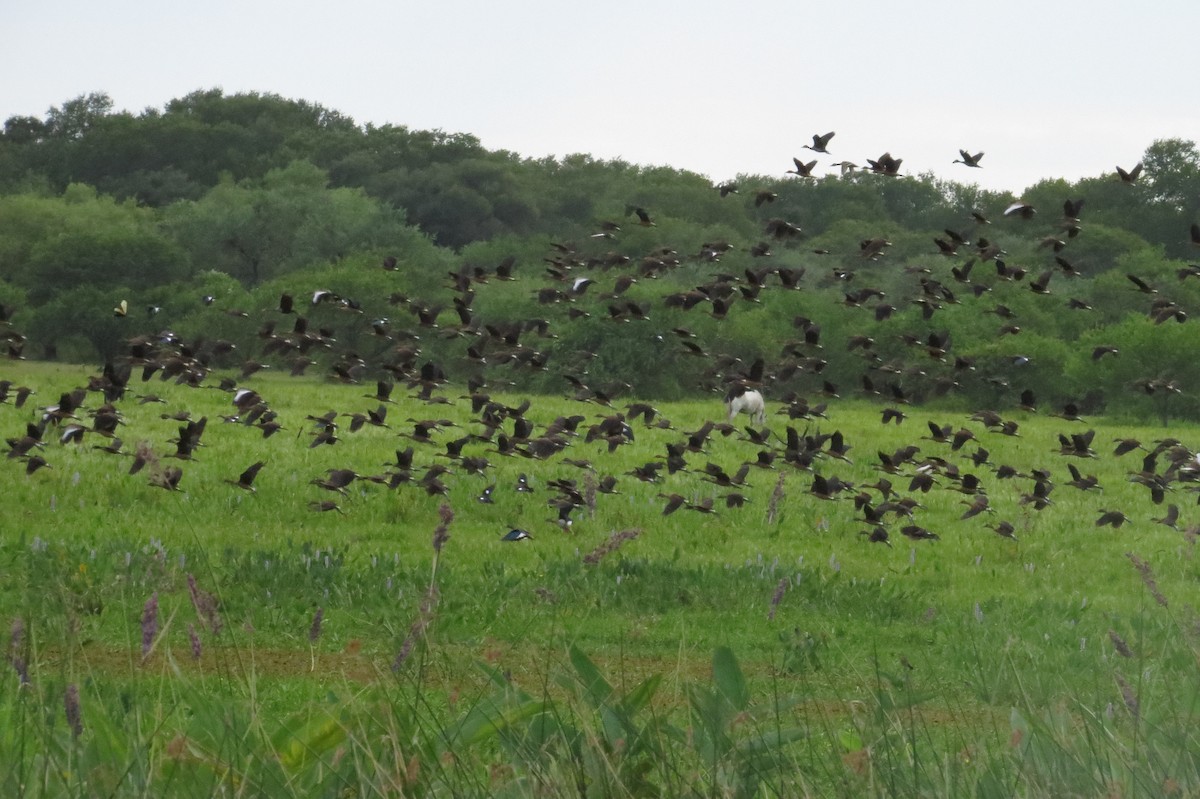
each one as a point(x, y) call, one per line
point(418, 627)
point(776, 498)
point(777, 597)
point(149, 623)
point(205, 605)
point(16, 650)
point(1119, 643)
point(1131, 701)
point(74, 715)
point(195, 640)
point(1143, 568)
point(314, 632)
point(441, 533)
point(589, 492)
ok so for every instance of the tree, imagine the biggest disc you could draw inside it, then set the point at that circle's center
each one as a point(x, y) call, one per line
point(48, 245)
point(78, 116)
point(24, 130)
point(102, 258)
point(79, 324)
point(256, 230)
point(1152, 376)
point(1172, 168)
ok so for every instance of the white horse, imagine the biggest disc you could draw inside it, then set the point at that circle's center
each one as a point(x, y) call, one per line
point(741, 399)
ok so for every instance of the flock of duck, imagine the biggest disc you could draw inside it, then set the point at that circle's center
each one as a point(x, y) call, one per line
point(440, 453)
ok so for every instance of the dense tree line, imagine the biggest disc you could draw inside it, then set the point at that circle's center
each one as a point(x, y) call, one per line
point(200, 215)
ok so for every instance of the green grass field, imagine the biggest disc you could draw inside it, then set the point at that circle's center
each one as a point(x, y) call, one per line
point(766, 650)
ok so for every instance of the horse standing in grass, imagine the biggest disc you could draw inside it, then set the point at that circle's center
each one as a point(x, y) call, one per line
point(740, 399)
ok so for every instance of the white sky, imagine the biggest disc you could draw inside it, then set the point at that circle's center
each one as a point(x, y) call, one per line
point(1046, 88)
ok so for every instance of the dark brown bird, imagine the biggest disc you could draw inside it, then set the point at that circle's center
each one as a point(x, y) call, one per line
point(35, 462)
point(246, 479)
point(1078, 480)
point(188, 440)
point(1042, 284)
point(949, 249)
point(1132, 175)
point(917, 533)
point(1077, 444)
point(1070, 412)
point(113, 447)
point(168, 478)
point(827, 487)
point(735, 499)
point(1126, 445)
point(885, 165)
point(1004, 529)
point(1021, 209)
point(1112, 517)
point(336, 480)
point(1141, 285)
point(976, 506)
point(820, 142)
point(1171, 519)
point(270, 428)
point(1039, 497)
point(838, 447)
point(608, 485)
point(642, 214)
point(802, 169)
point(781, 229)
point(879, 535)
point(647, 473)
point(968, 159)
point(326, 436)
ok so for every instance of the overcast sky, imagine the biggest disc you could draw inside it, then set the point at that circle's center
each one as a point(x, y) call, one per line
point(1045, 88)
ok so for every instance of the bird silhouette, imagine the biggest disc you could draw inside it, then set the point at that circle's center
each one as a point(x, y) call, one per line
point(968, 159)
point(802, 169)
point(1132, 175)
point(1114, 518)
point(877, 535)
point(885, 165)
point(245, 480)
point(1171, 519)
point(1004, 529)
point(820, 142)
point(918, 533)
point(336, 480)
point(642, 214)
point(168, 478)
point(1021, 209)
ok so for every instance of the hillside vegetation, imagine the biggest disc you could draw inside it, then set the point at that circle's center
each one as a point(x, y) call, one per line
point(200, 215)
